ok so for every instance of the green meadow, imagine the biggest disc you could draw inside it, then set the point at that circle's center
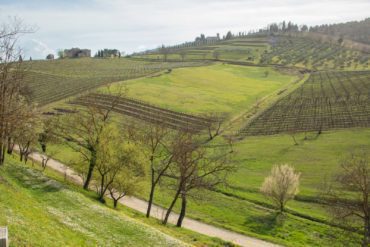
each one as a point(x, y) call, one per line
point(223, 88)
point(42, 209)
point(240, 206)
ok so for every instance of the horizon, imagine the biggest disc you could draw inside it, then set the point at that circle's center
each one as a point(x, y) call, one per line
point(133, 27)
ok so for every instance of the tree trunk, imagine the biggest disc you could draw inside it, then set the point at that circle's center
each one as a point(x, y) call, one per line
point(183, 210)
point(295, 142)
point(151, 196)
point(102, 190)
point(169, 210)
point(1, 155)
point(10, 146)
point(366, 239)
point(91, 169)
point(115, 202)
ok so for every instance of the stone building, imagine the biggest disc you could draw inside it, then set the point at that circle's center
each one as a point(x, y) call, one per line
point(77, 52)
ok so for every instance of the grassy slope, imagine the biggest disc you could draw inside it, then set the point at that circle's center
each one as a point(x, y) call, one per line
point(245, 209)
point(242, 208)
point(42, 211)
point(218, 88)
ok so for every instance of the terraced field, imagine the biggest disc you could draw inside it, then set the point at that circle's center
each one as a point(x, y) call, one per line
point(265, 49)
point(146, 112)
point(327, 100)
point(240, 49)
point(50, 81)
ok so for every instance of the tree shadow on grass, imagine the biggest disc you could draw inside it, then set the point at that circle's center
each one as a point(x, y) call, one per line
point(34, 179)
point(265, 224)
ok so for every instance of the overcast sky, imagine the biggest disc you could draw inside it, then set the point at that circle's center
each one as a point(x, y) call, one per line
point(135, 25)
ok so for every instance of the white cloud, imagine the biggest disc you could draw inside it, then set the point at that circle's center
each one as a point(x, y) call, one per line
point(35, 48)
point(126, 24)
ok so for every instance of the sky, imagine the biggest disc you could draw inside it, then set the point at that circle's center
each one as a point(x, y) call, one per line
point(137, 25)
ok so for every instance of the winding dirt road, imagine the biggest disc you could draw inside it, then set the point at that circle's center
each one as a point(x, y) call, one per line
point(159, 212)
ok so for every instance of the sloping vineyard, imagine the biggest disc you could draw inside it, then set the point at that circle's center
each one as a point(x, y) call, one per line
point(146, 112)
point(245, 49)
point(313, 54)
point(327, 100)
point(55, 80)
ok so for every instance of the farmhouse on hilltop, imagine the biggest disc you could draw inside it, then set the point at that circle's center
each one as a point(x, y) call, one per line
point(50, 56)
point(77, 52)
point(212, 39)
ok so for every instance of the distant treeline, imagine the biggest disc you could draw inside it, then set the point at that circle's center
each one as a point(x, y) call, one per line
point(108, 53)
point(355, 30)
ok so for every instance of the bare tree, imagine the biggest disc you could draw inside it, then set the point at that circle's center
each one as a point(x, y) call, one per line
point(156, 142)
point(83, 131)
point(46, 157)
point(25, 135)
point(216, 121)
point(281, 186)
point(47, 135)
point(292, 134)
point(348, 196)
point(12, 100)
point(197, 167)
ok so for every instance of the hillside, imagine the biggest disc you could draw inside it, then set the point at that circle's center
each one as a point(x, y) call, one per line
point(40, 210)
point(326, 100)
point(234, 90)
point(190, 134)
point(50, 81)
point(296, 49)
point(354, 30)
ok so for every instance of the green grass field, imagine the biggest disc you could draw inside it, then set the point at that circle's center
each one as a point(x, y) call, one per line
point(51, 81)
point(44, 210)
point(242, 208)
point(218, 88)
point(234, 90)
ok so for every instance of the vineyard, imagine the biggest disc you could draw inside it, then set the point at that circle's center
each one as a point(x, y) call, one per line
point(327, 100)
point(146, 112)
point(238, 49)
point(313, 54)
point(50, 81)
point(267, 50)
